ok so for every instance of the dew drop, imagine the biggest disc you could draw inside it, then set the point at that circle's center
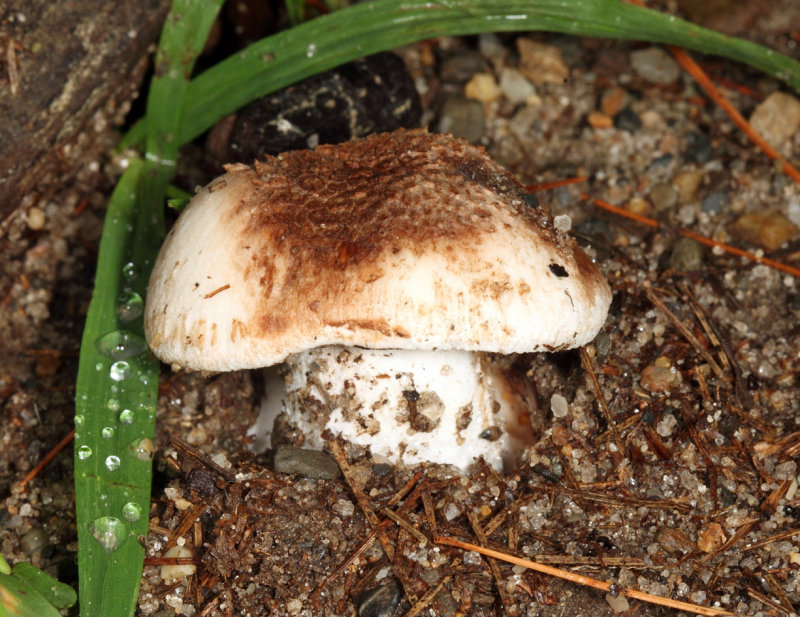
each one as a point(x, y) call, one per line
point(311, 50)
point(98, 366)
point(121, 345)
point(143, 449)
point(112, 404)
point(109, 531)
point(126, 416)
point(129, 306)
point(84, 452)
point(107, 432)
point(129, 271)
point(131, 512)
point(79, 419)
point(120, 370)
point(112, 462)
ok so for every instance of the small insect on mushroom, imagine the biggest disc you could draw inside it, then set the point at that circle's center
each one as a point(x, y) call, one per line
point(382, 272)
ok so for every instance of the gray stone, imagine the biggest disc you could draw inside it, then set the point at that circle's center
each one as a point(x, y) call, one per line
point(461, 67)
point(381, 601)
point(655, 65)
point(33, 541)
point(686, 255)
point(462, 118)
point(307, 463)
point(714, 203)
point(663, 196)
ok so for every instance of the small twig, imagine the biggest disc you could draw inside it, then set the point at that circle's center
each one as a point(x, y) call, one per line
point(398, 496)
point(211, 294)
point(186, 523)
point(687, 334)
point(583, 580)
point(760, 597)
point(732, 250)
point(508, 603)
point(406, 525)
point(48, 457)
point(350, 559)
point(546, 186)
point(202, 459)
point(429, 595)
point(598, 392)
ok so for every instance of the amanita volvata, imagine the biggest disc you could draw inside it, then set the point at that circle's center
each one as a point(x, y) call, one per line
point(382, 272)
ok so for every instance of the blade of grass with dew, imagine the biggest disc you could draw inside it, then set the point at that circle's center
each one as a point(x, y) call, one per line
point(370, 27)
point(117, 379)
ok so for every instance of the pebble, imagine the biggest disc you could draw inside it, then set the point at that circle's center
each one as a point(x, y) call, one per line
point(638, 205)
point(176, 572)
point(698, 148)
point(462, 118)
point(381, 601)
point(686, 255)
point(36, 218)
point(618, 603)
point(307, 463)
point(714, 203)
point(344, 508)
point(663, 196)
point(516, 87)
point(655, 65)
point(462, 66)
point(482, 87)
point(768, 228)
point(777, 118)
point(660, 161)
point(559, 406)
point(613, 101)
point(541, 63)
point(687, 183)
point(33, 541)
point(599, 120)
point(711, 537)
point(660, 376)
point(627, 120)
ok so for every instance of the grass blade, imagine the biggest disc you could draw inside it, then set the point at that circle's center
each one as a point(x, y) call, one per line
point(369, 27)
point(117, 378)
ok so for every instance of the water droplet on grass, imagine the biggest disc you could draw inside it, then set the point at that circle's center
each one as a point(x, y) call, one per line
point(131, 512)
point(120, 370)
point(79, 420)
point(121, 345)
point(112, 462)
point(109, 531)
point(112, 404)
point(126, 416)
point(129, 271)
point(107, 432)
point(84, 452)
point(129, 306)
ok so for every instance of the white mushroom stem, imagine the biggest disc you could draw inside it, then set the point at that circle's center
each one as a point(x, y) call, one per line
point(408, 406)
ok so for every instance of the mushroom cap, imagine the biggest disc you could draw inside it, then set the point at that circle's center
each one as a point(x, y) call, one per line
point(404, 240)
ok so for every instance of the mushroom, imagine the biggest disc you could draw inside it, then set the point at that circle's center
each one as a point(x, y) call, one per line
point(384, 273)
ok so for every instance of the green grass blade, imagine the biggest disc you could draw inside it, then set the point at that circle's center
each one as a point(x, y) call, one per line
point(370, 27)
point(117, 377)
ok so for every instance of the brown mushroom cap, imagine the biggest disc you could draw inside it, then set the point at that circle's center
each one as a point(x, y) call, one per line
point(403, 240)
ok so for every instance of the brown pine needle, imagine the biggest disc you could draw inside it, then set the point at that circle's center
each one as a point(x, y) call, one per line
point(703, 80)
point(731, 250)
point(546, 186)
point(583, 580)
point(50, 456)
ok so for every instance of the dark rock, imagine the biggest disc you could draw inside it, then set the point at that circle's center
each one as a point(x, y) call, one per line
point(381, 601)
point(628, 120)
point(698, 148)
point(371, 95)
point(307, 463)
point(33, 541)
